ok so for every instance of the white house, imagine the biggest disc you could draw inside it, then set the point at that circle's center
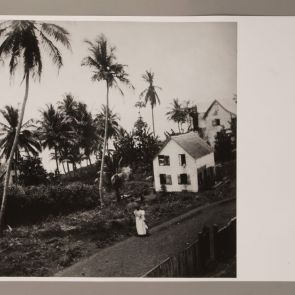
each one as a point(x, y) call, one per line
point(185, 162)
point(215, 118)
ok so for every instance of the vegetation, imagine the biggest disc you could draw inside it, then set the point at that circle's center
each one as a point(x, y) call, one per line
point(57, 242)
point(32, 172)
point(223, 146)
point(102, 61)
point(150, 93)
point(120, 160)
point(183, 113)
point(137, 148)
point(27, 141)
point(21, 45)
point(35, 203)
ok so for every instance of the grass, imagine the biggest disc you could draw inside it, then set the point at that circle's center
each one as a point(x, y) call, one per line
point(45, 248)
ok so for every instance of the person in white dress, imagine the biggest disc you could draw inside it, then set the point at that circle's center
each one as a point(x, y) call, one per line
point(141, 226)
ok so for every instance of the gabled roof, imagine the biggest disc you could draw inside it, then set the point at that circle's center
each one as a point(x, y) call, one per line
point(192, 143)
point(212, 104)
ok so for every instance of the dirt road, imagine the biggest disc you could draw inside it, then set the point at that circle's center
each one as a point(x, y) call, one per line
point(135, 256)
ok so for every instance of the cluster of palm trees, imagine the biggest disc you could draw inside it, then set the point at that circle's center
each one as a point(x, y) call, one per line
point(23, 44)
point(180, 113)
point(27, 140)
point(73, 133)
point(69, 130)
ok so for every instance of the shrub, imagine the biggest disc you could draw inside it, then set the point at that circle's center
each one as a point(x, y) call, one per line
point(35, 203)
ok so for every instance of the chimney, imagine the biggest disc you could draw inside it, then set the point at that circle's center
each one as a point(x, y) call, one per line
point(195, 117)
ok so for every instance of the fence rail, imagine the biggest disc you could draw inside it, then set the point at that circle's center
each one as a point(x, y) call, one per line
point(212, 245)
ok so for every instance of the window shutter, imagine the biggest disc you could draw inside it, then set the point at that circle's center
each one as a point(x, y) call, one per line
point(183, 159)
point(179, 159)
point(168, 179)
point(188, 179)
point(167, 160)
point(179, 179)
point(162, 179)
point(159, 159)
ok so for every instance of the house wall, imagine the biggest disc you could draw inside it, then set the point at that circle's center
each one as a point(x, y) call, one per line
point(172, 149)
point(216, 112)
point(207, 161)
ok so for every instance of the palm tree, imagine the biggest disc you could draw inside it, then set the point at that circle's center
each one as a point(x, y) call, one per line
point(150, 94)
point(89, 134)
point(27, 141)
point(21, 45)
point(52, 130)
point(103, 62)
point(177, 114)
point(113, 125)
point(68, 106)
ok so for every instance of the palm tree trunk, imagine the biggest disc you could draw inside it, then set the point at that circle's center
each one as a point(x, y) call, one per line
point(153, 120)
point(14, 145)
point(63, 167)
point(15, 167)
point(104, 149)
point(56, 160)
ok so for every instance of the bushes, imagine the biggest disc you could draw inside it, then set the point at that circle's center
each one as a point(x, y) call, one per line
point(35, 203)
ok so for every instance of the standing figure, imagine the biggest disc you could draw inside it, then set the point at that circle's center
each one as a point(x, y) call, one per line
point(141, 226)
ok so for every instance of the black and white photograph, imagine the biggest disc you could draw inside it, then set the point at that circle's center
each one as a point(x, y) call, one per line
point(118, 148)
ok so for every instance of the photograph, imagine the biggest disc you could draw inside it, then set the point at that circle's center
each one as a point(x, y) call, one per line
point(118, 148)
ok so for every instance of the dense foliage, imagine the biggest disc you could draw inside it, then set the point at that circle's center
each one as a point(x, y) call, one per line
point(36, 203)
point(138, 147)
point(32, 172)
point(223, 146)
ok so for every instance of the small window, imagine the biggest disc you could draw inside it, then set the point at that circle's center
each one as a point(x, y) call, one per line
point(216, 122)
point(182, 160)
point(165, 179)
point(183, 179)
point(164, 160)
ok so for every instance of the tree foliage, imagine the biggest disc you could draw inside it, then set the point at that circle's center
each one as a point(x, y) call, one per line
point(31, 171)
point(138, 147)
point(223, 146)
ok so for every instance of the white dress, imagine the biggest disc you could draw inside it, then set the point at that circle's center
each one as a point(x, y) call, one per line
point(141, 227)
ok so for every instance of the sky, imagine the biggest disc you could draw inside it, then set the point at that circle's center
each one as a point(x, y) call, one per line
point(191, 61)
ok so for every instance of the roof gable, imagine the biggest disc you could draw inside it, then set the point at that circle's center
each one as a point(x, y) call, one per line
point(211, 106)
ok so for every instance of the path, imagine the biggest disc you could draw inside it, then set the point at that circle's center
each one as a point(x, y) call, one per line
point(135, 256)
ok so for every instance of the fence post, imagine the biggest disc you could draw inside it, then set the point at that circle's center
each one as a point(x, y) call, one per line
point(200, 252)
point(215, 242)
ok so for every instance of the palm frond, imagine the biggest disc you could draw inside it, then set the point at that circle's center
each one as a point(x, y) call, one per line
point(57, 32)
point(54, 53)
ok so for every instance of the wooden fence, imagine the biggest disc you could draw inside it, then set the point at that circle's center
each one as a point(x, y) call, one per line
point(212, 246)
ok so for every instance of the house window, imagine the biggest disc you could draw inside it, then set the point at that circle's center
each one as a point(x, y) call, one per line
point(164, 160)
point(183, 178)
point(182, 160)
point(165, 179)
point(216, 122)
